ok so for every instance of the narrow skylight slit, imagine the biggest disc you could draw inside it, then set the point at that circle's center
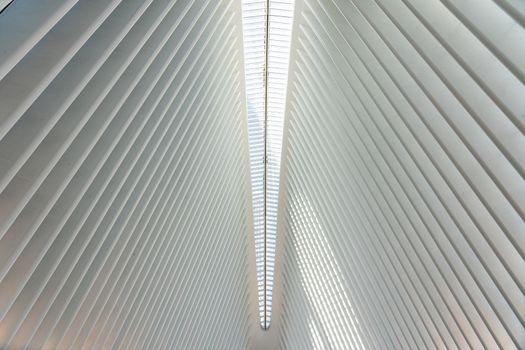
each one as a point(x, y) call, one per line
point(267, 26)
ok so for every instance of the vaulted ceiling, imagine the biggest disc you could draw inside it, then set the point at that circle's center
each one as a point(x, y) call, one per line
point(128, 215)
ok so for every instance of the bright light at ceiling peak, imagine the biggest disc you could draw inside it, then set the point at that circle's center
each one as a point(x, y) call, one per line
point(266, 75)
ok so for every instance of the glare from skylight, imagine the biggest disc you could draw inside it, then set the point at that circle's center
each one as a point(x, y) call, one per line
point(266, 75)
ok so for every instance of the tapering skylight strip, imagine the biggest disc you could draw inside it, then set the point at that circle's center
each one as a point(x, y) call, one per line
point(266, 57)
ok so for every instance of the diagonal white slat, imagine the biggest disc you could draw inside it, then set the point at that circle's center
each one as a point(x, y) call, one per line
point(130, 132)
point(403, 169)
point(124, 176)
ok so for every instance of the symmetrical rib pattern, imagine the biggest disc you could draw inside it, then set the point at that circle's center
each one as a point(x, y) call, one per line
point(404, 168)
point(123, 175)
point(267, 27)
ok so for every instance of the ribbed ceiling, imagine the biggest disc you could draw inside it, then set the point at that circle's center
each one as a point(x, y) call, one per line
point(267, 27)
point(404, 176)
point(125, 190)
point(123, 175)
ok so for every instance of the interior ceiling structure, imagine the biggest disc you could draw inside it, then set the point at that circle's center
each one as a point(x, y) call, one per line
point(124, 176)
point(267, 27)
point(128, 203)
point(404, 176)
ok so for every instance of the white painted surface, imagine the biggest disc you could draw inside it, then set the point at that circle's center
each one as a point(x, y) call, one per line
point(404, 176)
point(123, 176)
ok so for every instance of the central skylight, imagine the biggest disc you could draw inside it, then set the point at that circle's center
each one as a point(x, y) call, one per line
point(267, 26)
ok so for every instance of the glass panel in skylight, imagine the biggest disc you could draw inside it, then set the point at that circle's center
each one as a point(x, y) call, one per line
point(266, 79)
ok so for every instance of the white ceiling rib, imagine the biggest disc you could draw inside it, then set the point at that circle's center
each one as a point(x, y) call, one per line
point(122, 147)
point(404, 164)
